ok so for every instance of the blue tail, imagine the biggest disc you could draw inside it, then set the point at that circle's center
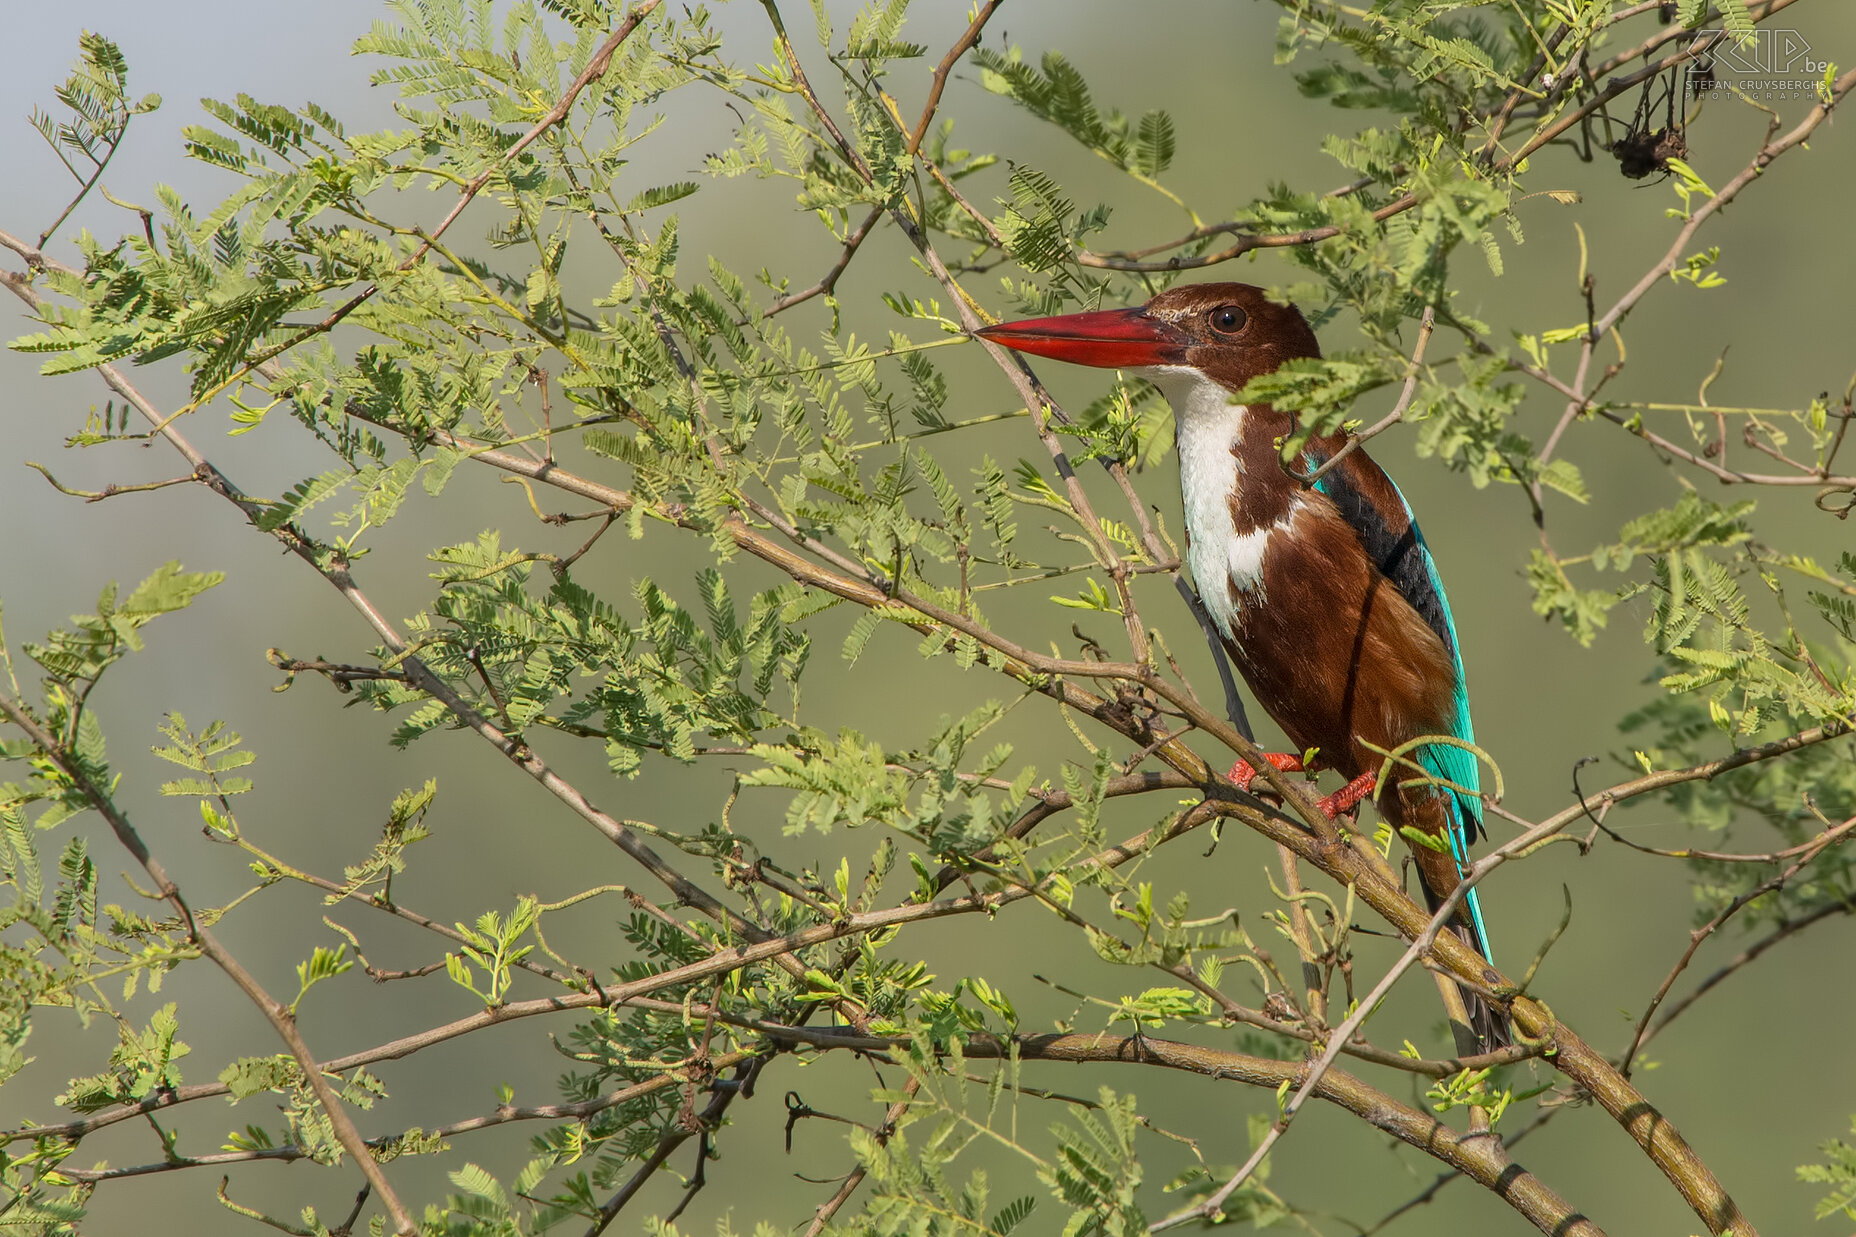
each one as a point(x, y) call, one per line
point(1465, 814)
point(1465, 825)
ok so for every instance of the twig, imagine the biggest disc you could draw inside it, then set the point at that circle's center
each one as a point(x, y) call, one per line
point(742, 1084)
point(1723, 475)
point(829, 1208)
point(1480, 1157)
point(614, 996)
point(793, 66)
point(1816, 844)
point(1768, 152)
point(1500, 121)
point(1756, 11)
point(282, 1020)
point(1783, 932)
point(1392, 418)
point(252, 1213)
point(1213, 1205)
point(503, 1115)
point(830, 279)
point(1252, 241)
point(595, 69)
point(347, 1226)
point(343, 676)
point(109, 491)
point(1582, 400)
point(856, 238)
point(961, 46)
point(1696, 937)
point(1245, 244)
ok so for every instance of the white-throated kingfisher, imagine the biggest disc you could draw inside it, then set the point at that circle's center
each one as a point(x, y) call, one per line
point(1326, 596)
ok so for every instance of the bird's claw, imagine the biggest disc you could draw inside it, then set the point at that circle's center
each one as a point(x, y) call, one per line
point(1242, 773)
point(1344, 800)
point(1348, 797)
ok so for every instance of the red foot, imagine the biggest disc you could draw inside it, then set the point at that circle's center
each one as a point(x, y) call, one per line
point(1349, 796)
point(1242, 775)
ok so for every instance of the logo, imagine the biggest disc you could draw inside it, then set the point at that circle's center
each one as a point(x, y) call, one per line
point(1767, 64)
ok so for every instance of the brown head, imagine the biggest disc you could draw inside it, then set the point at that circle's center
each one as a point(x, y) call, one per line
point(1227, 332)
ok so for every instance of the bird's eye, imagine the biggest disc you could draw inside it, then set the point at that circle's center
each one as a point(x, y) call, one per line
point(1228, 319)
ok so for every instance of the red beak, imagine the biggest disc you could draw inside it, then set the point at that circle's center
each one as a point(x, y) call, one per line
point(1111, 339)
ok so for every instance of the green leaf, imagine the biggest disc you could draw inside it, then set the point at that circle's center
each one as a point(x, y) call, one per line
point(249, 1076)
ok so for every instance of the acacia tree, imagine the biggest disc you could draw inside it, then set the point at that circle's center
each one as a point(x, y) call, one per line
point(687, 404)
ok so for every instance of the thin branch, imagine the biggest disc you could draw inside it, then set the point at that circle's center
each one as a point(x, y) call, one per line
point(1580, 400)
point(1499, 123)
point(1707, 770)
point(1227, 228)
point(856, 238)
point(961, 46)
point(1244, 245)
point(1213, 1205)
point(343, 676)
point(282, 1020)
point(1696, 937)
point(1249, 242)
point(1836, 834)
point(1425, 324)
point(1725, 476)
point(708, 1119)
point(1784, 931)
point(829, 1208)
point(1756, 11)
point(252, 1213)
point(1768, 152)
point(804, 86)
point(721, 962)
point(830, 279)
point(1479, 1156)
point(109, 491)
point(114, 141)
point(595, 69)
point(504, 1114)
point(1583, 401)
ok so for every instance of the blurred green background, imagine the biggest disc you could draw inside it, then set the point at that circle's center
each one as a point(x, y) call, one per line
point(1755, 1078)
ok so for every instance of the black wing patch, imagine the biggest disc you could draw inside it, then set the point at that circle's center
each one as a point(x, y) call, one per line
point(1396, 550)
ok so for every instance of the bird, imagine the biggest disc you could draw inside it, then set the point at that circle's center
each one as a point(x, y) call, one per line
point(1324, 592)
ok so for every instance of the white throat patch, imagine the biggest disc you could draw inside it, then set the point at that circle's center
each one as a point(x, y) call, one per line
point(1207, 427)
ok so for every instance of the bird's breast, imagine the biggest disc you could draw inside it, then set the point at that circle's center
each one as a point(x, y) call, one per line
point(1229, 535)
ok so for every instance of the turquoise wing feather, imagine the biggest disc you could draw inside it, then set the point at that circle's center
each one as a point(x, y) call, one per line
point(1397, 545)
point(1455, 764)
